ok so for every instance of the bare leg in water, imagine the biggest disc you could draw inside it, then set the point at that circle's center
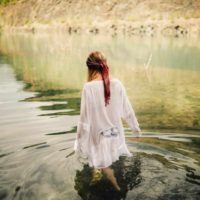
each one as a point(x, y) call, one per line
point(110, 175)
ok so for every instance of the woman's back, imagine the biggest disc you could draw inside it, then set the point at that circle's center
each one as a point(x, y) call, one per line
point(102, 134)
point(105, 116)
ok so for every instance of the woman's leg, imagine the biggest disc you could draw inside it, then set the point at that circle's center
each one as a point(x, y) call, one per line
point(110, 175)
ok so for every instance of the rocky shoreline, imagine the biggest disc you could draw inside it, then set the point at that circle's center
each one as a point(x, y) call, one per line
point(174, 30)
point(152, 18)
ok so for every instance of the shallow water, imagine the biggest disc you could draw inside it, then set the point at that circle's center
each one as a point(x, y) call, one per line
point(39, 106)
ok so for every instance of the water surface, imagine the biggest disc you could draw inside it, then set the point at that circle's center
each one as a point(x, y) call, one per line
point(41, 78)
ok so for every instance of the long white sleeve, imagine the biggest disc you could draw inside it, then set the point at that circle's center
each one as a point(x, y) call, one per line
point(128, 113)
point(83, 126)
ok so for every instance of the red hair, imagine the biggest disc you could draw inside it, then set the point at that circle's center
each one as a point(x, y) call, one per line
point(97, 62)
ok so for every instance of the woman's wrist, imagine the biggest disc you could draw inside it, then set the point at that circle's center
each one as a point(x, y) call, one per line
point(137, 132)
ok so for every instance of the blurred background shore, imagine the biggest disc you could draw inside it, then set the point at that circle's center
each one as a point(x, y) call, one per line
point(133, 17)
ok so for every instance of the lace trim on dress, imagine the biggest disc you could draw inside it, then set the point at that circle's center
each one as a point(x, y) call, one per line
point(80, 144)
point(110, 132)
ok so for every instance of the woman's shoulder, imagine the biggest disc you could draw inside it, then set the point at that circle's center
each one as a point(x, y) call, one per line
point(116, 80)
point(95, 83)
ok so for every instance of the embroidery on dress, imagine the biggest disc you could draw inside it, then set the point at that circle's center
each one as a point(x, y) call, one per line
point(114, 131)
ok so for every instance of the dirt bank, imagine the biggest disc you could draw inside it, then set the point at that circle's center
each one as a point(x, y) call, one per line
point(169, 17)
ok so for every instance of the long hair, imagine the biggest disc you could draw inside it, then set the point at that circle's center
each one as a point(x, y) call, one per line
point(97, 63)
point(95, 57)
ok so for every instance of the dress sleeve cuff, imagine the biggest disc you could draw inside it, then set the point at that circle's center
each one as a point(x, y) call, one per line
point(83, 127)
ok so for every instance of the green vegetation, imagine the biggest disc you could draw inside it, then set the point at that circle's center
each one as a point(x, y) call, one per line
point(5, 2)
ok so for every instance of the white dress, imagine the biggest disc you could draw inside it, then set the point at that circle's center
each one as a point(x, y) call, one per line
point(101, 131)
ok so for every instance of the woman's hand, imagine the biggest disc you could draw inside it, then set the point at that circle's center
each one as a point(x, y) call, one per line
point(137, 133)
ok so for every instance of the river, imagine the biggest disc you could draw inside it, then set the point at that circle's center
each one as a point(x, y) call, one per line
point(41, 77)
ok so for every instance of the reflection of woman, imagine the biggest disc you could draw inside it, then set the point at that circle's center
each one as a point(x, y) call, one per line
point(100, 134)
point(127, 171)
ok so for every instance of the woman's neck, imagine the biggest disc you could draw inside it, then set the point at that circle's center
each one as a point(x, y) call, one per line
point(97, 77)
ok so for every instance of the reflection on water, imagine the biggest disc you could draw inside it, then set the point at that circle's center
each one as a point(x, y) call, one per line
point(161, 74)
point(40, 102)
point(127, 173)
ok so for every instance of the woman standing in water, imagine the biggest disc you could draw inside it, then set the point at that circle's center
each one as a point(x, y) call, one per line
point(100, 134)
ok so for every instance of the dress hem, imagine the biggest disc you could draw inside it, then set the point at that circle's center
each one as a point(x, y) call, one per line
point(122, 154)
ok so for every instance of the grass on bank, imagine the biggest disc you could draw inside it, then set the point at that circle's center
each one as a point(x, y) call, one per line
point(5, 2)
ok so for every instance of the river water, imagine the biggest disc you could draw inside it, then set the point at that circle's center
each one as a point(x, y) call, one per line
point(41, 78)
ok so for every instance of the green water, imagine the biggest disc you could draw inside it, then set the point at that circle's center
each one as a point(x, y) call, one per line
point(41, 77)
point(161, 75)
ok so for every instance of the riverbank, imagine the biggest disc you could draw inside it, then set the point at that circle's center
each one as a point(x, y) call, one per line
point(173, 18)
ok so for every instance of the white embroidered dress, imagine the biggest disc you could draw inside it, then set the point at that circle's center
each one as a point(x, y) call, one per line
point(101, 131)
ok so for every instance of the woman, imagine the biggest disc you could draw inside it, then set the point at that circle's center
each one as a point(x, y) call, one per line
point(100, 133)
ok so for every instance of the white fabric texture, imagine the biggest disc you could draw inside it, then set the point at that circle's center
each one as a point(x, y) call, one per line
point(100, 142)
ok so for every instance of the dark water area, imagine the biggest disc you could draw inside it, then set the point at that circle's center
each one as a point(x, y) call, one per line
point(41, 77)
